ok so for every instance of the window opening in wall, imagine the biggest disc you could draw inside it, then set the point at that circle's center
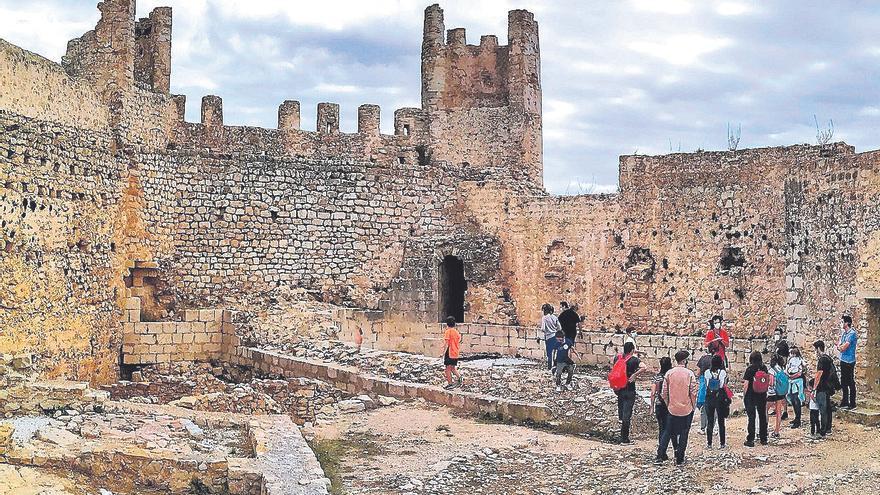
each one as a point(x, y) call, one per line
point(731, 257)
point(329, 128)
point(452, 288)
point(401, 160)
point(422, 151)
point(406, 129)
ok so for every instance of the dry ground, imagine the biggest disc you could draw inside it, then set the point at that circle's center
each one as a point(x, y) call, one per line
point(417, 448)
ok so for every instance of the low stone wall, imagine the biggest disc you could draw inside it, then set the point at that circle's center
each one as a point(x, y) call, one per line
point(357, 382)
point(594, 347)
point(199, 337)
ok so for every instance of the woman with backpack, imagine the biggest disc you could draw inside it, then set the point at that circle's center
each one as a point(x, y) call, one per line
point(661, 412)
point(777, 393)
point(795, 370)
point(717, 400)
point(756, 382)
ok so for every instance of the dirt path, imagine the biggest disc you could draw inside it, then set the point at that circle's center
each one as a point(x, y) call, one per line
point(414, 448)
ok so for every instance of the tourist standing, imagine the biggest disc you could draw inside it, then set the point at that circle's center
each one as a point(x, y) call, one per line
point(680, 395)
point(626, 398)
point(795, 370)
point(846, 345)
point(756, 382)
point(703, 364)
point(568, 320)
point(548, 327)
point(776, 396)
point(563, 361)
point(630, 335)
point(717, 401)
point(823, 388)
point(719, 335)
point(783, 351)
point(661, 412)
point(450, 357)
point(815, 422)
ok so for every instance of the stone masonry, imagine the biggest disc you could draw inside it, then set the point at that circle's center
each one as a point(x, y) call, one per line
point(110, 202)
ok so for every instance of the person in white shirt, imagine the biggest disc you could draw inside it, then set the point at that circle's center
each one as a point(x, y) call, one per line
point(547, 329)
point(717, 400)
point(795, 370)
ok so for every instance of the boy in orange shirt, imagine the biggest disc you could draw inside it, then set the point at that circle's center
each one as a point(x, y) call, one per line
point(450, 358)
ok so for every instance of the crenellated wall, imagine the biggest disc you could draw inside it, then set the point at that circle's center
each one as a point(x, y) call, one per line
point(107, 193)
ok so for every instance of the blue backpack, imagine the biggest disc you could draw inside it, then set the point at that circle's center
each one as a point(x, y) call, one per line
point(714, 383)
point(781, 387)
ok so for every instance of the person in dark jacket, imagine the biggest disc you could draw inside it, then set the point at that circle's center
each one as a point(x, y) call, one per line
point(569, 320)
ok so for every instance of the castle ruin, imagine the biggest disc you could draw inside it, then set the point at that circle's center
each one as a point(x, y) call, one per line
point(128, 235)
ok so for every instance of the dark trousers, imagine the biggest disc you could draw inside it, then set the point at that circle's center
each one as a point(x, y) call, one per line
point(815, 425)
point(714, 411)
point(823, 400)
point(677, 430)
point(756, 408)
point(626, 399)
point(661, 412)
point(797, 406)
point(848, 383)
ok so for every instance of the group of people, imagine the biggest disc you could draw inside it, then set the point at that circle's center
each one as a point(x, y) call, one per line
point(769, 389)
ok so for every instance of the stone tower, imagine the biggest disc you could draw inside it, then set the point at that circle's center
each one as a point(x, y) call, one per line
point(483, 101)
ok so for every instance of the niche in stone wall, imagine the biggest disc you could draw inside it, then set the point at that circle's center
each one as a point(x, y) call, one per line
point(640, 264)
point(143, 281)
point(732, 259)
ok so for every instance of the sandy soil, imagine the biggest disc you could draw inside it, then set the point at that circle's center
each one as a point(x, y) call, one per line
point(416, 448)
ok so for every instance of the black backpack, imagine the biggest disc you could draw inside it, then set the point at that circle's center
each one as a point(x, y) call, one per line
point(833, 379)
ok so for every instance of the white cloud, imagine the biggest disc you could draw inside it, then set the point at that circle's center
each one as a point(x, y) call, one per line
point(674, 7)
point(681, 49)
point(734, 8)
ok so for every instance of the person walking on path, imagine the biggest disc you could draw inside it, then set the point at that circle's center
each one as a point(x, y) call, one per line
point(822, 387)
point(562, 361)
point(795, 371)
point(450, 357)
point(548, 327)
point(626, 398)
point(756, 382)
point(661, 412)
point(846, 345)
point(777, 393)
point(719, 335)
point(568, 320)
point(680, 395)
point(717, 401)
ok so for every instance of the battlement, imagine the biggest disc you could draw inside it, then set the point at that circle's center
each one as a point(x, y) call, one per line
point(456, 74)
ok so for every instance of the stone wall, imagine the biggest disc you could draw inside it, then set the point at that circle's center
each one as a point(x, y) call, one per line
point(199, 337)
point(594, 347)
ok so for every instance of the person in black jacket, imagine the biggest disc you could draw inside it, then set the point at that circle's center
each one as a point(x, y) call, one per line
point(569, 320)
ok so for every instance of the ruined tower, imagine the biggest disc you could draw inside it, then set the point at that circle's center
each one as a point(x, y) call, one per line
point(484, 101)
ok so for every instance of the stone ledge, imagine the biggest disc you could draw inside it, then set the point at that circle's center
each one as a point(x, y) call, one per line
point(356, 382)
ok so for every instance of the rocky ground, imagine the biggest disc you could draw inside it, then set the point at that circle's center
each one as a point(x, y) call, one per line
point(587, 407)
point(419, 449)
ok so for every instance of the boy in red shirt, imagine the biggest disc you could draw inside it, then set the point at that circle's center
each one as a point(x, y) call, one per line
point(450, 357)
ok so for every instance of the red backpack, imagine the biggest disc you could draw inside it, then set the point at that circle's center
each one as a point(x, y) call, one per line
point(761, 382)
point(617, 376)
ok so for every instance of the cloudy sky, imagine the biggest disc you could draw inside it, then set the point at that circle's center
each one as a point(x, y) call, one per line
point(619, 76)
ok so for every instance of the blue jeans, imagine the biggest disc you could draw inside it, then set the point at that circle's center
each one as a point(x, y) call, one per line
point(551, 346)
point(677, 428)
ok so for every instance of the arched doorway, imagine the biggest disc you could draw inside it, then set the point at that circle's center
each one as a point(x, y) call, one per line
point(452, 288)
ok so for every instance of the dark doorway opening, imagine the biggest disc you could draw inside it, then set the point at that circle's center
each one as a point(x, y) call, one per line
point(452, 288)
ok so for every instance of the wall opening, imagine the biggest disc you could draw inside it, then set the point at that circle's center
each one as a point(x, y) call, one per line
point(872, 349)
point(452, 288)
point(731, 257)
